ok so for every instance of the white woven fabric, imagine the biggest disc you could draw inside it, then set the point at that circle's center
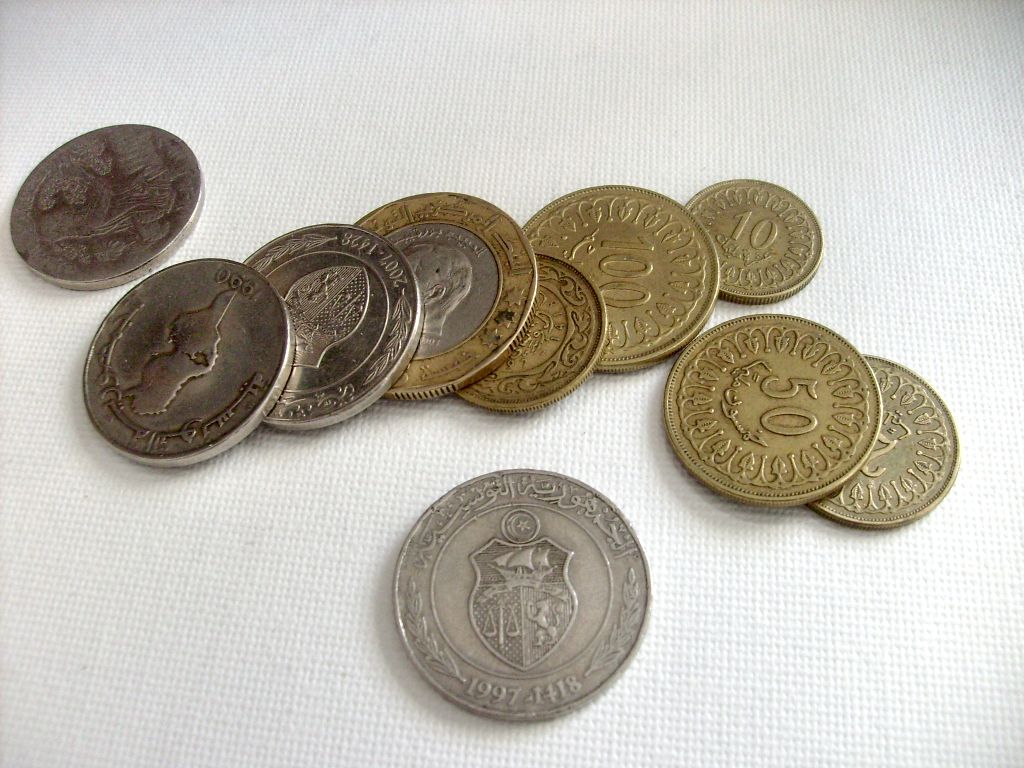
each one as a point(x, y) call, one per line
point(238, 613)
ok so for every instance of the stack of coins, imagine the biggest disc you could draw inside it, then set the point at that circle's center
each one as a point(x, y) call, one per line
point(444, 293)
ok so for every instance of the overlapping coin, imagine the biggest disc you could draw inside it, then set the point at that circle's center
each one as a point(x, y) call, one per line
point(772, 409)
point(107, 206)
point(654, 264)
point(768, 240)
point(563, 340)
point(477, 277)
point(355, 310)
point(188, 362)
point(520, 594)
point(913, 463)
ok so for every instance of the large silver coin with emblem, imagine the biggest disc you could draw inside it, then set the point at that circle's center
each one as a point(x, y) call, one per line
point(107, 206)
point(520, 594)
point(188, 362)
point(355, 308)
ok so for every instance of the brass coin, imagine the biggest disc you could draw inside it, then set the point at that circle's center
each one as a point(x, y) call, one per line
point(772, 409)
point(563, 341)
point(768, 240)
point(914, 461)
point(477, 276)
point(654, 264)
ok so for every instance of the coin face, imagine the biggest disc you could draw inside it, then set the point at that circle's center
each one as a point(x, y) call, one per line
point(654, 265)
point(564, 339)
point(107, 207)
point(913, 463)
point(477, 276)
point(520, 594)
point(188, 362)
point(769, 242)
point(355, 310)
point(772, 409)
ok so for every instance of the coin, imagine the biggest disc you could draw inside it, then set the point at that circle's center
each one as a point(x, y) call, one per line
point(188, 362)
point(772, 409)
point(913, 463)
point(563, 341)
point(477, 278)
point(769, 242)
point(107, 206)
point(355, 309)
point(520, 594)
point(653, 263)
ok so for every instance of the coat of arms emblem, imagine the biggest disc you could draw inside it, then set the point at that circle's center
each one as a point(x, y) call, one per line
point(523, 603)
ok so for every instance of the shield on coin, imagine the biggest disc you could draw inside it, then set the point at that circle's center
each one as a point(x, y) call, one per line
point(326, 307)
point(522, 604)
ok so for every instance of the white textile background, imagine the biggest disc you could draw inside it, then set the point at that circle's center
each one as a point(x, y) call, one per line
point(238, 613)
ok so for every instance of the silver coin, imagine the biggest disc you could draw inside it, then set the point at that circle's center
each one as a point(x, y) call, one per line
point(107, 207)
point(356, 312)
point(520, 594)
point(188, 362)
point(458, 280)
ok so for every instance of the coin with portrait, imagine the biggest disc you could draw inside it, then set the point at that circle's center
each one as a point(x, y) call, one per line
point(772, 409)
point(563, 341)
point(768, 239)
point(521, 594)
point(107, 206)
point(188, 362)
point(355, 307)
point(913, 463)
point(477, 277)
point(654, 265)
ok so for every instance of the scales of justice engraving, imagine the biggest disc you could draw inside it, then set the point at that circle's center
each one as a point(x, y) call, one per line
point(326, 307)
point(188, 352)
point(522, 604)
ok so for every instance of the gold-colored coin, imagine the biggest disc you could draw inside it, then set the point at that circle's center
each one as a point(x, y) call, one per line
point(772, 409)
point(477, 276)
point(654, 265)
point(914, 461)
point(768, 240)
point(563, 341)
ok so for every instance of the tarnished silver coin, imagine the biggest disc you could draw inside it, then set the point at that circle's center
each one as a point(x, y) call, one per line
point(107, 207)
point(188, 362)
point(520, 594)
point(355, 309)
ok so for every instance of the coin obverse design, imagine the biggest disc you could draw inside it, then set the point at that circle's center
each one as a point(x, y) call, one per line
point(914, 461)
point(769, 242)
point(520, 594)
point(564, 339)
point(772, 409)
point(355, 308)
point(188, 362)
point(654, 265)
point(477, 277)
point(107, 206)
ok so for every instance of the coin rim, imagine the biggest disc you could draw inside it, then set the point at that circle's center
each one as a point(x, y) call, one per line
point(399, 365)
point(819, 505)
point(573, 704)
point(239, 433)
point(470, 395)
point(150, 264)
point(649, 358)
point(731, 293)
point(696, 468)
point(482, 366)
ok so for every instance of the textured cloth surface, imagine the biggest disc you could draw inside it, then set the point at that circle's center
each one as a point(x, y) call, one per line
point(239, 612)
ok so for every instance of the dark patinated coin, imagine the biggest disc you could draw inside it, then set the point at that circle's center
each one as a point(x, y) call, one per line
point(107, 207)
point(520, 594)
point(188, 362)
point(355, 309)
